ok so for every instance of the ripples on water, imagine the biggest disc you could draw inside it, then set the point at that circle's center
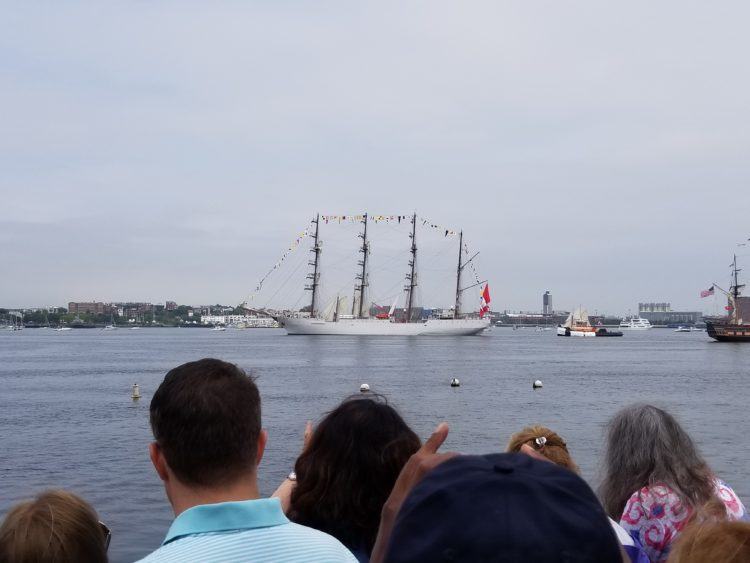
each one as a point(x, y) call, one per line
point(68, 421)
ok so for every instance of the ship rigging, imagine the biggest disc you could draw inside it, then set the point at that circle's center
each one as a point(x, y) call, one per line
point(360, 321)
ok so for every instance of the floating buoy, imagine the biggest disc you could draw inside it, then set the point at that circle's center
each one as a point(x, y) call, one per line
point(136, 392)
point(455, 382)
point(364, 388)
point(537, 384)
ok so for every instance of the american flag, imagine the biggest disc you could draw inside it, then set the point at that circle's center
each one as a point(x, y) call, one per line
point(707, 292)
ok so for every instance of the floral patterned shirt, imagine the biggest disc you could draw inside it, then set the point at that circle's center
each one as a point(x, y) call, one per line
point(655, 516)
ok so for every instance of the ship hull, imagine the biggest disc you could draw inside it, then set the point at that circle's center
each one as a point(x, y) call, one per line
point(378, 327)
point(563, 331)
point(728, 332)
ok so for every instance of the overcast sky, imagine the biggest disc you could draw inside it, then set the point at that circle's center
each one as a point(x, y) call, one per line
point(159, 150)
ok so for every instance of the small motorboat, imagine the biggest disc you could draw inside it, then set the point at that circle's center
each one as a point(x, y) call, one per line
point(683, 329)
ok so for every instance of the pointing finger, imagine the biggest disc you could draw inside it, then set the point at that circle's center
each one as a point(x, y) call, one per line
point(436, 440)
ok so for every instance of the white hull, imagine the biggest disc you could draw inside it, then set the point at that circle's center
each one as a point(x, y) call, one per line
point(635, 323)
point(379, 327)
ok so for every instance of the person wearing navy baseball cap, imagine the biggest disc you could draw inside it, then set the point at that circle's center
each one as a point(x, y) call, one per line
point(505, 508)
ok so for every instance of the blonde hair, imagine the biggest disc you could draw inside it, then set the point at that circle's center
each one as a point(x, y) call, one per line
point(546, 442)
point(56, 526)
point(728, 542)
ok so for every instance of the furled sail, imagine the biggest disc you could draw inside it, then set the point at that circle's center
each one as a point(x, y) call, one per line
point(342, 309)
point(329, 311)
point(569, 321)
point(581, 315)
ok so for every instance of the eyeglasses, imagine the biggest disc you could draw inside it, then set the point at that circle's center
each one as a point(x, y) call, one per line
point(107, 534)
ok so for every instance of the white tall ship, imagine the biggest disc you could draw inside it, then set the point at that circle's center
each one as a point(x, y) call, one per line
point(635, 322)
point(334, 321)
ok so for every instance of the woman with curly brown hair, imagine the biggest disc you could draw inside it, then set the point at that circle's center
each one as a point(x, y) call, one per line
point(347, 470)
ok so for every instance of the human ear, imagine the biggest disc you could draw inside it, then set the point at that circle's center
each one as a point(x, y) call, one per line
point(262, 439)
point(157, 459)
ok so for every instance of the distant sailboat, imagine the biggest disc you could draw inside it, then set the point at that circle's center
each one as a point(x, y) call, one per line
point(732, 328)
point(111, 325)
point(577, 324)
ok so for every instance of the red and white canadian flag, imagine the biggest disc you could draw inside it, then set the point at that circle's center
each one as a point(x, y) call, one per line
point(485, 308)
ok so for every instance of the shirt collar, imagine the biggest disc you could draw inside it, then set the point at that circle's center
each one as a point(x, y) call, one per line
point(226, 516)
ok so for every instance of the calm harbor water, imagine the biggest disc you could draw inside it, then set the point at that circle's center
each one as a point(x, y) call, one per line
point(68, 421)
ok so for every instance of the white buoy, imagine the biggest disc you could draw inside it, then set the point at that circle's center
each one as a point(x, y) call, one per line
point(364, 388)
point(537, 384)
point(136, 392)
point(455, 382)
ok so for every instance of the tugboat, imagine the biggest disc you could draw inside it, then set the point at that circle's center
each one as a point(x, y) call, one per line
point(733, 328)
point(577, 324)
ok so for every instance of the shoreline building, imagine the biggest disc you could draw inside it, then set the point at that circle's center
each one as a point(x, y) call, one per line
point(240, 321)
point(89, 308)
point(547, 304)
point(662, 314)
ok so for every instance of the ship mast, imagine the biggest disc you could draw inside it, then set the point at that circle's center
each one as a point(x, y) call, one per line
point(365, 250)
point(735, 289)
point(456, 309)
point(315, 276)
point(411, 276)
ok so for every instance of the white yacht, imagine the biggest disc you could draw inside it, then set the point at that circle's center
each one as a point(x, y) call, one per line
point(636, 322)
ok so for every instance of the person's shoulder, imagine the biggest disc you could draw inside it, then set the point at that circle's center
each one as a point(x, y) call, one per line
point(735, 509)
point(287, 543)
point(317, 545)
point(648, 503)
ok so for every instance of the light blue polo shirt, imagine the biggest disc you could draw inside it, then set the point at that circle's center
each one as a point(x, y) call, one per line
point(250, 530)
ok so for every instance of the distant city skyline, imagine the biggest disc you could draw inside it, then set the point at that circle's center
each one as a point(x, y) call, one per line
point(156, 151)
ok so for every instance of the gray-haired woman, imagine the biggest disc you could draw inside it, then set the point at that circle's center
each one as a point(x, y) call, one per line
point(656, 482)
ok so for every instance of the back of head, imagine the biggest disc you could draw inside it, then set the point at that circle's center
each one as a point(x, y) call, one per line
point(645, 446)
point(349, 467)
point(728, 542)
point(56, 526)
point(502, 507)
point(546, 442)
point(205, 417)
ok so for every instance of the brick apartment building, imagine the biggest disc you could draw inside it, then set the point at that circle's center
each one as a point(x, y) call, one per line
point(89, 308)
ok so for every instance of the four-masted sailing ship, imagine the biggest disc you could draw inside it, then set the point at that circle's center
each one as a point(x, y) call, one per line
point(360, 321)
point(733, 328)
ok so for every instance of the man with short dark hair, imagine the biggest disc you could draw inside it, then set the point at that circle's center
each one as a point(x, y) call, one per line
point(205, 417)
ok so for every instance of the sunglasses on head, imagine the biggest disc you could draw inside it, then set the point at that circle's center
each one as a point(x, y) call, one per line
point(107, 534)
